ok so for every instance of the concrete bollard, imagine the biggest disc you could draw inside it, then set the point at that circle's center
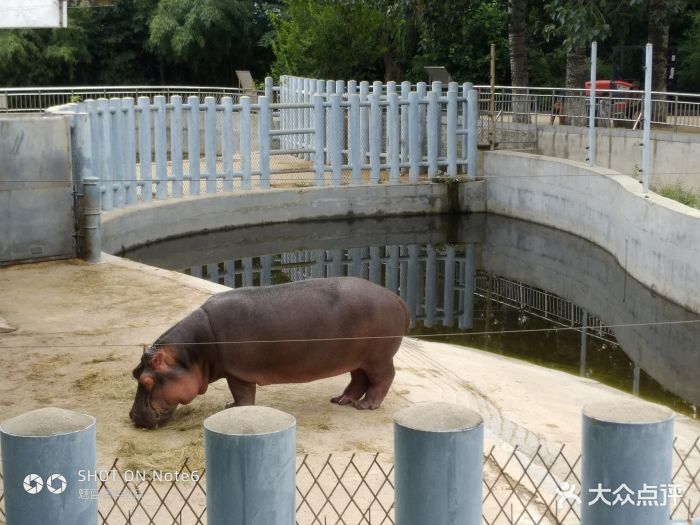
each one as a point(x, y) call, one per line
point(47, 456)
point(439, 449)
point(250, 457)
point(91, 220)
point(627, 452)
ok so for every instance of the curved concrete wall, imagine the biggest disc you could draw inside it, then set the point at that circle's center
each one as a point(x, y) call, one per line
point(655, 239)
point(138, 225)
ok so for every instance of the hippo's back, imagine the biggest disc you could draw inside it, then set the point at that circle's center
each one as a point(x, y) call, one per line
point(332, 307)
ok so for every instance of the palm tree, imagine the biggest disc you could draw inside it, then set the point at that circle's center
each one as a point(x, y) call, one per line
point(517, 40)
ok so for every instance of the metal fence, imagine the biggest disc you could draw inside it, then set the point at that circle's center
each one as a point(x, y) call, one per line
point(26, 100)
point(508, 114)
point(359, 489)
point(144, 150)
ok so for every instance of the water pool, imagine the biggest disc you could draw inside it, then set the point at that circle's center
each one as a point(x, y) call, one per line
point(484, 281)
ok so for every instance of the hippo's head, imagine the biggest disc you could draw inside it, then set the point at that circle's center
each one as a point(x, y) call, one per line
point(165, 379)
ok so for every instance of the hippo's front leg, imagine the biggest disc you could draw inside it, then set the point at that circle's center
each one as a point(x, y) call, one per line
point(243, 392)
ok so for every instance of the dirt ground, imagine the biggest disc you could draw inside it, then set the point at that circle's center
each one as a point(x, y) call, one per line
point(80, 331)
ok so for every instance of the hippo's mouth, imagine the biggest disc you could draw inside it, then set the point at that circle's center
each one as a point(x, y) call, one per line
point(150, 418)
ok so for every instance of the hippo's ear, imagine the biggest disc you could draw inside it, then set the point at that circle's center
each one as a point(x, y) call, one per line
point(164, 358)
point(145, 348)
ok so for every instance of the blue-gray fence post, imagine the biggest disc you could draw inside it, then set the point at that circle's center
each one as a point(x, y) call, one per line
point(464, 129)
point(451, 139)
point(330, 90)
point(355, 139)
point(393, 137)
point(422, 91)
point(336, 140)
point(438, 469)
point(269, 89)
point(309, 86)
point(176, 134)
point(130, 150)
point(144, 104)
point(375, 132)
point(161, 150)
point(193, 152)
point(210, 142)
point(117, 146)
point(250, 460)
point(106, 166)
point(91, 219)
point(390, 89)
point(227, 142)
point(264, 140)
point(405, 92)
point(436, 87)
point(414, 147)
point(364, 121)
point(433, 130)
point(472, 133)
point(627, 453)
point(246, 131)
point(319, 139)
point(47, 455)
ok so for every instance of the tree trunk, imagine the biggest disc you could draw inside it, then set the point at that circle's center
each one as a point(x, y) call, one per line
point(517, 40)
point(575, 103)
point(658, 37)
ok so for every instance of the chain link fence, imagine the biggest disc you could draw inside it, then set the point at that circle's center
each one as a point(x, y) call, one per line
point(519, 489)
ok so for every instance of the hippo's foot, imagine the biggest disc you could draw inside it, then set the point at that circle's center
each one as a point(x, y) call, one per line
point(367, 404)
point(342, 399)
point(234, 403)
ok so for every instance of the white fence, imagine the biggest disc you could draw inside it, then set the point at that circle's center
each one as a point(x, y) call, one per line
point(319, 133)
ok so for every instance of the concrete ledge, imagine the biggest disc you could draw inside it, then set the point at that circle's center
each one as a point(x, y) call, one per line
point(138, 225)
point(656, 239)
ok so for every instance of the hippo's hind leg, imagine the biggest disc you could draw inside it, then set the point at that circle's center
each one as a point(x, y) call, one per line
point(380, 379)
point(359, 382)
point(243, 392)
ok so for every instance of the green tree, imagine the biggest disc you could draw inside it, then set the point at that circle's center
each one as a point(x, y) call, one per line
point(328, 39)
point(458, 34)
point(208, 39)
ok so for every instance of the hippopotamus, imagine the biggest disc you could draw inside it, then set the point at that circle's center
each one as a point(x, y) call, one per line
point(287, 333)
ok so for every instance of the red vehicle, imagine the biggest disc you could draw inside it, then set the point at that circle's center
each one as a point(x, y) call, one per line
point(612, 101)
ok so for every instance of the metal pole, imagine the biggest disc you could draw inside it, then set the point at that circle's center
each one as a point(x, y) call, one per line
point(472, 138)
point(592, 106)
point(492, 98)
point(647, 119)
point(627, 452)
point(92, 208)
point(438, 472)
point(250, 459)
point(49, 464)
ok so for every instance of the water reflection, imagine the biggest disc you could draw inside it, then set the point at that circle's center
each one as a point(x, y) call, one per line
point(493, 283)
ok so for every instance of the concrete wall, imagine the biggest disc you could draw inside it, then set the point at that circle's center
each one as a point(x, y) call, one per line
point(570, 267)
point(656, 239)
point(36, 216)
point(673, 156)
point(138, 225)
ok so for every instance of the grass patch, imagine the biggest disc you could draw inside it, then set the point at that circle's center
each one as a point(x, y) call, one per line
point(679, 193)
